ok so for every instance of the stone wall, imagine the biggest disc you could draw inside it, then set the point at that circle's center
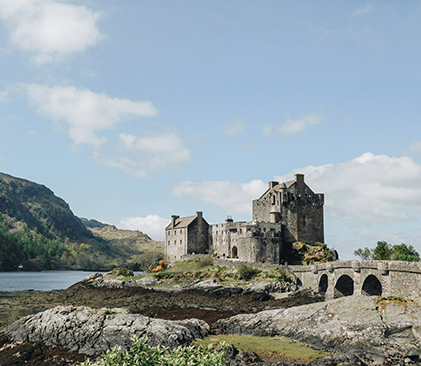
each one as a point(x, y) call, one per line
point(391, 278)
point(198, 236)
point(176, 243)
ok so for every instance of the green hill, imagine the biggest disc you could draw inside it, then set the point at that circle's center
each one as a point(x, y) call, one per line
point(39, 231)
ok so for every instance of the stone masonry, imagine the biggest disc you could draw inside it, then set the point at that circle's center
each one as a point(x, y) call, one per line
point(285, 213)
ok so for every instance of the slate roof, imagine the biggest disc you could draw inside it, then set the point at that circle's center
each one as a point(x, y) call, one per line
point(181, 222)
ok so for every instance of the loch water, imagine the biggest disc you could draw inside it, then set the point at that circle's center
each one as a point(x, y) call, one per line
point(41, 281)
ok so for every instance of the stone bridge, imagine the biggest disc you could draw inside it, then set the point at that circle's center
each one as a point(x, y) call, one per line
point(346, 278)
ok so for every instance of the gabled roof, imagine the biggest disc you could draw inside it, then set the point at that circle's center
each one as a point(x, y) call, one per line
point(181, 222)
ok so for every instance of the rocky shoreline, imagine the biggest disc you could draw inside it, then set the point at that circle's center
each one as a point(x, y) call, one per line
point(86, 317)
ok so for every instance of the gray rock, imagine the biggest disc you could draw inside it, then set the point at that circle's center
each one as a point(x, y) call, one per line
point(94, 331)
point(148, 281)
point(349, 324)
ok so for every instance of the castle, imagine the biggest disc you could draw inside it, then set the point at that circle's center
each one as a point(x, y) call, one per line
point(287, 212)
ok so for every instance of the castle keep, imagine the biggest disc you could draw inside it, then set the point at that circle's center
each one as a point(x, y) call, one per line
point(287, 212)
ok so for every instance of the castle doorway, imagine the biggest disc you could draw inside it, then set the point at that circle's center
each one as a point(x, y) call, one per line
point(372, 286)
point(323, 284)
point(234, 252)
point(344, 287)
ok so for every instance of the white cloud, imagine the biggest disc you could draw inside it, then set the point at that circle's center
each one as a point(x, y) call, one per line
point(85, 112)
point(140, 156)
point(368, 189)
point(231, 196)
point(234, 128)
point(294, 126)
point(48, 29)
point(152, 225)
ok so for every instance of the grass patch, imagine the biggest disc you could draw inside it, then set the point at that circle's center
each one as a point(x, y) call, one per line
point(267, 346)
point(192, 264)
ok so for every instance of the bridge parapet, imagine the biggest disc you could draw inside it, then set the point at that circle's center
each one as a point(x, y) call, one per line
point(342, 278)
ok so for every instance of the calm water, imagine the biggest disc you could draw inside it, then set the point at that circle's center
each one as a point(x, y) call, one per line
point(43, 281)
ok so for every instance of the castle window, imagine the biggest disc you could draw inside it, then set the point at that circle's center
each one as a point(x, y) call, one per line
point(181, 242)
point(181, 231)
point(304, 220)
point(175, 242)
point(273, 199)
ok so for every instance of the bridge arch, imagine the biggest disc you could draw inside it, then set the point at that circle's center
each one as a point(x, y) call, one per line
point(371, 286)
point(323, 283)
point(344, 286)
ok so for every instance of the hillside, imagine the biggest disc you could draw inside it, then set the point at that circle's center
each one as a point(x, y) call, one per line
point(39, 231)
point(142, 252)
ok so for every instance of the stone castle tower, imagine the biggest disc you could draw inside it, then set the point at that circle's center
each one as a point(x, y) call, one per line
point(287, 212)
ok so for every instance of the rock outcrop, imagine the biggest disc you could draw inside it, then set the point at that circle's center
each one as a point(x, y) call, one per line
point(355, 325)
point(94, 331)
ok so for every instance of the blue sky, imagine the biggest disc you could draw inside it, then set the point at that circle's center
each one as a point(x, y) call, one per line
point(133, 111)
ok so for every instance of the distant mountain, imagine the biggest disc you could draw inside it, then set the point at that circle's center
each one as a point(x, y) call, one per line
point(38, 230)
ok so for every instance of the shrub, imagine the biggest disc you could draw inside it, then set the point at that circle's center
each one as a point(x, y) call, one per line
point(246, 272)
point(119, 271)
point(141, 354)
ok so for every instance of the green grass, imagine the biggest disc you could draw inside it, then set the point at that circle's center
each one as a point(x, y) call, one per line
point(267, 346)
point(192, 264)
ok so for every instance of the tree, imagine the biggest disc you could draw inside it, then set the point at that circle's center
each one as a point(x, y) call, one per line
point(386, 251)
point(405, 252)
point(365, 254)
point(383, 251)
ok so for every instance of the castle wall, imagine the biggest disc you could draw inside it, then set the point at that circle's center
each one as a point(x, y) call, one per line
point(176, 243)
point(247, 241)
point(198, 237)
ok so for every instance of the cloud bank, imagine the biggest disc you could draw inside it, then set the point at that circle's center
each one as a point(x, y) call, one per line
point(368, 189)
point(85, 114)
point(49, 30)
point(233, 197)
point(152, 225)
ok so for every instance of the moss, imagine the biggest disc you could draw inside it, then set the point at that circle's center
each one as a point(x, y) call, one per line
point(382, 302)
point(268, 346)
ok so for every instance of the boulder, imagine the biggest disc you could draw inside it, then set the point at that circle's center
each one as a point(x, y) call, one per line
point(94, 331)
point(353, 324)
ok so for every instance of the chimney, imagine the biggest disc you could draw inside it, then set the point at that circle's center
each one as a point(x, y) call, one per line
point(199, 214)
point(273, 184)
point(299, 178)
point(173, 219)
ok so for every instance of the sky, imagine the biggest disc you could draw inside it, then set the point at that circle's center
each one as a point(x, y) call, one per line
point(136, 110)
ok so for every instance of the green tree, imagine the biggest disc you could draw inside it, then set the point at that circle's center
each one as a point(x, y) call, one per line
point(386, 251)
point(383, 251)
point(364, 253)
point(405, 252)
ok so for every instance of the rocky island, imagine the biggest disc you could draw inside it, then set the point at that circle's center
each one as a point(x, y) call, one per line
point(176, 307)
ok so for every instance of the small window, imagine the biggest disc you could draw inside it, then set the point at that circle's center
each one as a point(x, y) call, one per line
point(181, 242)
point(181, 231)
point(175, 242)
